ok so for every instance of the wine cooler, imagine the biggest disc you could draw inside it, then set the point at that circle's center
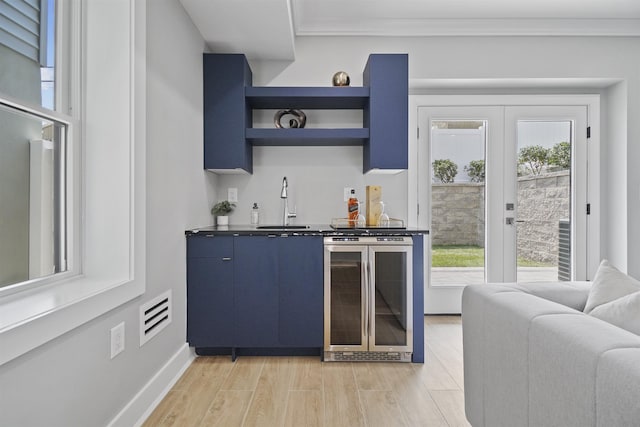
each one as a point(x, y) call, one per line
point(368, 303)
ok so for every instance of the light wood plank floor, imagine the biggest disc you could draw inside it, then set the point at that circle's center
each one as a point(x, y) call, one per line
point(302, 391)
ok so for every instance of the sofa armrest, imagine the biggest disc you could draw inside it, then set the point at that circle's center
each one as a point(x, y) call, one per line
point(495, 325)
point(474, 299)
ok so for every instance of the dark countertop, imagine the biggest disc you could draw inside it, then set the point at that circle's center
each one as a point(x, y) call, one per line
point(311, 230)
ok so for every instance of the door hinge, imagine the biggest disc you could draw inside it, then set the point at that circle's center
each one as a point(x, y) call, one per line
point(588, 208)
point(588, 131)
point(418, 133)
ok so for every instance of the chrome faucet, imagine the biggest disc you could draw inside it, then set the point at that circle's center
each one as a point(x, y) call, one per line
point(285, 212)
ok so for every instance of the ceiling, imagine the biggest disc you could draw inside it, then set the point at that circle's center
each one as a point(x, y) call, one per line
point(267, 29)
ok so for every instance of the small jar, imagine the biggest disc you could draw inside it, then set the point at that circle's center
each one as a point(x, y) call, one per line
point(255, 214)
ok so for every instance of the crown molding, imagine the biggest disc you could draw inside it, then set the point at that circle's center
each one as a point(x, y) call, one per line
point(471, 27)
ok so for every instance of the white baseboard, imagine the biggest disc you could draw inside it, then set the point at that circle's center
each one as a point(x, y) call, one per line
point(142, 405)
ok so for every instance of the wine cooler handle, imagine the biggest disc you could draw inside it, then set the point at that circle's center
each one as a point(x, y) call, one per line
point(369, 307)
point(365, 291)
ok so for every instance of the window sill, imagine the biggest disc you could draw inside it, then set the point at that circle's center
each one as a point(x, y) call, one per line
point(34, 317)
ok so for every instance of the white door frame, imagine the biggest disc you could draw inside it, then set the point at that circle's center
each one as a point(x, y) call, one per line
point(447, 300)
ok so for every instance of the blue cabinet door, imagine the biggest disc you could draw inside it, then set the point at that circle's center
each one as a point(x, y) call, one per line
point(301, 291)
point(256, 291)
point(387, 115)
point(226, 114)
point(210, 291)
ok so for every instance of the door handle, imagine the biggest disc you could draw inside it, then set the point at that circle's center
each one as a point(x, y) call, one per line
point(510, 220)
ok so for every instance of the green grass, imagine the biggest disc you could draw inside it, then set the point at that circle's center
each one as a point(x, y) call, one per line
point(457, 256)
point(468, 256)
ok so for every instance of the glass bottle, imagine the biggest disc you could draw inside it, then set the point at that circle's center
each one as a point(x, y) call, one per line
point(361, 222)
point(353, 208)
point(255, 214)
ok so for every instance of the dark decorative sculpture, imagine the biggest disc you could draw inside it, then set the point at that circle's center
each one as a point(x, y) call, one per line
point(298, 121)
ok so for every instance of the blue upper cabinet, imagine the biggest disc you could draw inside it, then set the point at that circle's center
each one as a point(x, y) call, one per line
point(387, 114)
point(226, 114)
point(230, 98)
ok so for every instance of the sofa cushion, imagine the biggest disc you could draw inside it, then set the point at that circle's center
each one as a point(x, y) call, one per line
point(623, 312)
point(617, 391)
point(609, 284)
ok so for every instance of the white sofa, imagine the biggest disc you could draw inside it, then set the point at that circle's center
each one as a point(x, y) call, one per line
point(532, 358)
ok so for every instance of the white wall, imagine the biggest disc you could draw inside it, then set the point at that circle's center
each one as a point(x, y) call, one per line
point(616, 232)
point(316, 177)
point(71, 381)
point(584, 63)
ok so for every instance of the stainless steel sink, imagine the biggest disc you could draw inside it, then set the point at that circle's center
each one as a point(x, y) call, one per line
point(282, 227)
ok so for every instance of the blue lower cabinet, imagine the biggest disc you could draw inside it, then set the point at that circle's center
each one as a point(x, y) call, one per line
point(255, 294)
point(210, 291)
point(256, 291)
point(300, 268)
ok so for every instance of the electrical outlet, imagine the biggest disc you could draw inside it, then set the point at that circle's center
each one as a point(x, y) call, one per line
point(347, 193)
point(232, 195)
point(117, 340)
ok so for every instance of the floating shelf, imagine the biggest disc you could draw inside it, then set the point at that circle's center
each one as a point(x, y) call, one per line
point(230, 100)
point(307, 137)
point(328, 98)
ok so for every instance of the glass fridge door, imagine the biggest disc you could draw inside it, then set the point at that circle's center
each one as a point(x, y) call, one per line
point(391, 298)
point(345, 298)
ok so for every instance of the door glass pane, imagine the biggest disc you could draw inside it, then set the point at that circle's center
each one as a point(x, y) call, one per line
point(391, 298)
point(544, 201)
point(346, 298)
point(458, 201)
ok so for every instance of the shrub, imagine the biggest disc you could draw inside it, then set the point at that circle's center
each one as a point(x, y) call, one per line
point(475, 170)
point(445, 170)
point(534, 157)
point(560, 155)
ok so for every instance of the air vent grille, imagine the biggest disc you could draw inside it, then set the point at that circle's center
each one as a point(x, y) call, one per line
point(155, 315)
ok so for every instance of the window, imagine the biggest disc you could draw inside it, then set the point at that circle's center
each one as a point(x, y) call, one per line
point(98, 82)
point(33, 145)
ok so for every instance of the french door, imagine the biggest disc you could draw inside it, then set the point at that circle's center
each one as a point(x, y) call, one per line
point(505, 189)
point(546, 239)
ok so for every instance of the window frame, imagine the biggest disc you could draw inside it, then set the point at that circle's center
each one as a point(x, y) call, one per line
point(106, 211)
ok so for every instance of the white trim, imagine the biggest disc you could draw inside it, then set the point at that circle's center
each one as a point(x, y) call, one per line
point(418, 27)
point(149, 397)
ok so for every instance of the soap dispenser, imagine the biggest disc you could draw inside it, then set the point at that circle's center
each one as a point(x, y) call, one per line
point(255, 214)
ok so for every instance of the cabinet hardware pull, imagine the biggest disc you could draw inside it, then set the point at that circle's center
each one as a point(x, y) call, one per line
point(226, 258)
